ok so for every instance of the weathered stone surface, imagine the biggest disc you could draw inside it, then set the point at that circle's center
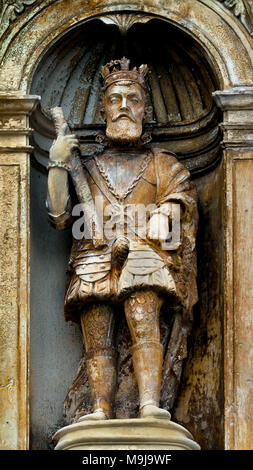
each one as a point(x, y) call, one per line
point(32, 36)
point(243, 10)
point(9, 308)
point(14, 270)
point(243, 301)
point(237, 105)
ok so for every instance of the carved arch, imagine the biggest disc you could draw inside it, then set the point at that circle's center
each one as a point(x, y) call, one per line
point(180, 113)
point(43, 26)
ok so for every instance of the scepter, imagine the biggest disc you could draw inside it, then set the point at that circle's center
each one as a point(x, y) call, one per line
point(80, 180)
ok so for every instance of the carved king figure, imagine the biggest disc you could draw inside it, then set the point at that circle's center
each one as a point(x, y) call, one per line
point(132, 269)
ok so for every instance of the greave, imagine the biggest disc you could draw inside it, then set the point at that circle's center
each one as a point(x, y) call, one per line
point(102, 380)
point(148, 361)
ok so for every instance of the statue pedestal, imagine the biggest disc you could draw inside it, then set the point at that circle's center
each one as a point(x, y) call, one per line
point(125, 434)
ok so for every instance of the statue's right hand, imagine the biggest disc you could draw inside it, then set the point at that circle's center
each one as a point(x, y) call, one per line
point(63, 146)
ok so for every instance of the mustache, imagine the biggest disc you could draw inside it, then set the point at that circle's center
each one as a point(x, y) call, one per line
point(123, 115)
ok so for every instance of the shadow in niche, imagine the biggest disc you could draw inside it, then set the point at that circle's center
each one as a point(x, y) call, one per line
point(180, 81)
point(200, 402)
point(56, 347)
point(182, 118)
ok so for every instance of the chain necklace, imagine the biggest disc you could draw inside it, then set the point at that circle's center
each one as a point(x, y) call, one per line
point(121, 196)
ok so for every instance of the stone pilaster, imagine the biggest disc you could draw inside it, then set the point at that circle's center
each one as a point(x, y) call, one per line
point(14, 269)
point(237, 105)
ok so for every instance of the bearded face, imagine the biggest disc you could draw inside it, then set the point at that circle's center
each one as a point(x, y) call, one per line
point(124, 106)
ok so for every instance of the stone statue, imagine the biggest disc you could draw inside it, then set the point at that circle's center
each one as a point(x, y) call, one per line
point(120, 262)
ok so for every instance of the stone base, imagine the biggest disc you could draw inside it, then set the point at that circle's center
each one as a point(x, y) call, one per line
point(125, 434)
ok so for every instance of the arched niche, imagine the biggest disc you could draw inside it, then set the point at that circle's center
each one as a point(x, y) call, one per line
point(181, 117)
point(181, 114)
point(218, 32)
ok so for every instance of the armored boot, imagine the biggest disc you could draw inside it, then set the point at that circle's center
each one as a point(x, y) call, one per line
point(148, 361)
point(102, 380)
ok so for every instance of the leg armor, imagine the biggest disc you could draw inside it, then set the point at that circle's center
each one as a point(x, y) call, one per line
point(97, 322)
point(142, 313)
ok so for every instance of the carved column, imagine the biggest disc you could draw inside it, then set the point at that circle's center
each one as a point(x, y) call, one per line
point(14, 269)
point(237, 105)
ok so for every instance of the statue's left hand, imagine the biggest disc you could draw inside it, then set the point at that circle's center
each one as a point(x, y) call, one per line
point(158, 227)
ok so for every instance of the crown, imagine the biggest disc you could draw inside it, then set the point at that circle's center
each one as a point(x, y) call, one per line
point(118, 71)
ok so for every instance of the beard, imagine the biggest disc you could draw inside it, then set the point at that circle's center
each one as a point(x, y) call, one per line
point(123, 130)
